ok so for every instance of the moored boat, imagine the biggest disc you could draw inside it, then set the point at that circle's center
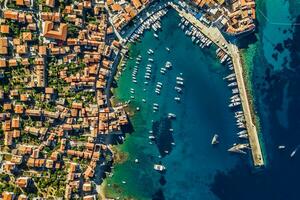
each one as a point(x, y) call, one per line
point(215, 139)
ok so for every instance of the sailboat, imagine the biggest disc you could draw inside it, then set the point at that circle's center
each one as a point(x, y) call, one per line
point(215, 139)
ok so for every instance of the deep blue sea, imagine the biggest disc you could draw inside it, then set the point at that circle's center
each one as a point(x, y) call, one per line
point(195, 169)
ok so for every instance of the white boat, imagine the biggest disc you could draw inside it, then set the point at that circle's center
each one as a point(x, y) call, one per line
point(179, 82)
point(215, 139)
point(281, 147)
point(177, 98)
point(243, 136)
point(150, 59)
point(179, 78)
point(294, 152)
point(155, 35)
point(242, 132)
point(168, 65)
point(171, 115)
point(178, 89)
point(234, 96)
point(160, 168)
point(234, 104)
point(151, 137)
point(167, 49)
point(232, 84)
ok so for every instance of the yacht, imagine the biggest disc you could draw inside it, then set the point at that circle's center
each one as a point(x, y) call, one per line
point(234, 96)
point(155, 35)
point(150, 59)
point(179, 82)
point(168, 65)
point(167, 49)
point(243, 136)
point(234, 104)
point(179, 78)
point(151, 137)
point(215, 139)
point(160, 168)
point(178, 89)
point(177, 98)
point(171, 115)
point(232, 84)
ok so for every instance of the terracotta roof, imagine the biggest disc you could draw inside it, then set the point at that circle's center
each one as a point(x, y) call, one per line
point(27, 36)
point(137, 4)
point(7, 195)
point(10, 14)
point(116, 7)
point(60, 34)
point(50, 3)
point(2, 62)
point(4, 28)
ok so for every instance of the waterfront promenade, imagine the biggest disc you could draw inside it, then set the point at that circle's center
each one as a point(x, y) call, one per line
point(217, 38)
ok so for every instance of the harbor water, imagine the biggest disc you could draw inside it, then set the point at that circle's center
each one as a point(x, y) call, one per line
point(194, 168)
point(203, 111)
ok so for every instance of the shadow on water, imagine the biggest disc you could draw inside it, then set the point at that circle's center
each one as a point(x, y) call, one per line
point(246, 40)
point(159, 195)
point(163, 135)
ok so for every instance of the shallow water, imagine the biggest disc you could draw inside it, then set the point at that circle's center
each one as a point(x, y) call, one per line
point(195, 170)
point(202, 112)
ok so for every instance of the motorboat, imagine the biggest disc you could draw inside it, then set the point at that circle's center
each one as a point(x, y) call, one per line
point(168, 65)
point(215, 139)
point(171, 115)
point(177, 98)
point(159, 167)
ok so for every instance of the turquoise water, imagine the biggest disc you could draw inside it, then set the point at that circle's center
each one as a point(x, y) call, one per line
point(203, 111)
point(195, 170)
point(276, 82)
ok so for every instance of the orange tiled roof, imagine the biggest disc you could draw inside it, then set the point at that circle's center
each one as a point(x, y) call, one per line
point(60, 34)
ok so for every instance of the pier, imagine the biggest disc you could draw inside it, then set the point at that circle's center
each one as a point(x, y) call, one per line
point(217, 38)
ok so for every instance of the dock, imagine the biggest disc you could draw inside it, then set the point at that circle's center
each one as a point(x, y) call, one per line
point(231, 50)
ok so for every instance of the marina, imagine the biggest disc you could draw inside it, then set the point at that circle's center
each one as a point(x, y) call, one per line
point(227, 54)
point(163, 119)
point(231, 50)
point(278, 123)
